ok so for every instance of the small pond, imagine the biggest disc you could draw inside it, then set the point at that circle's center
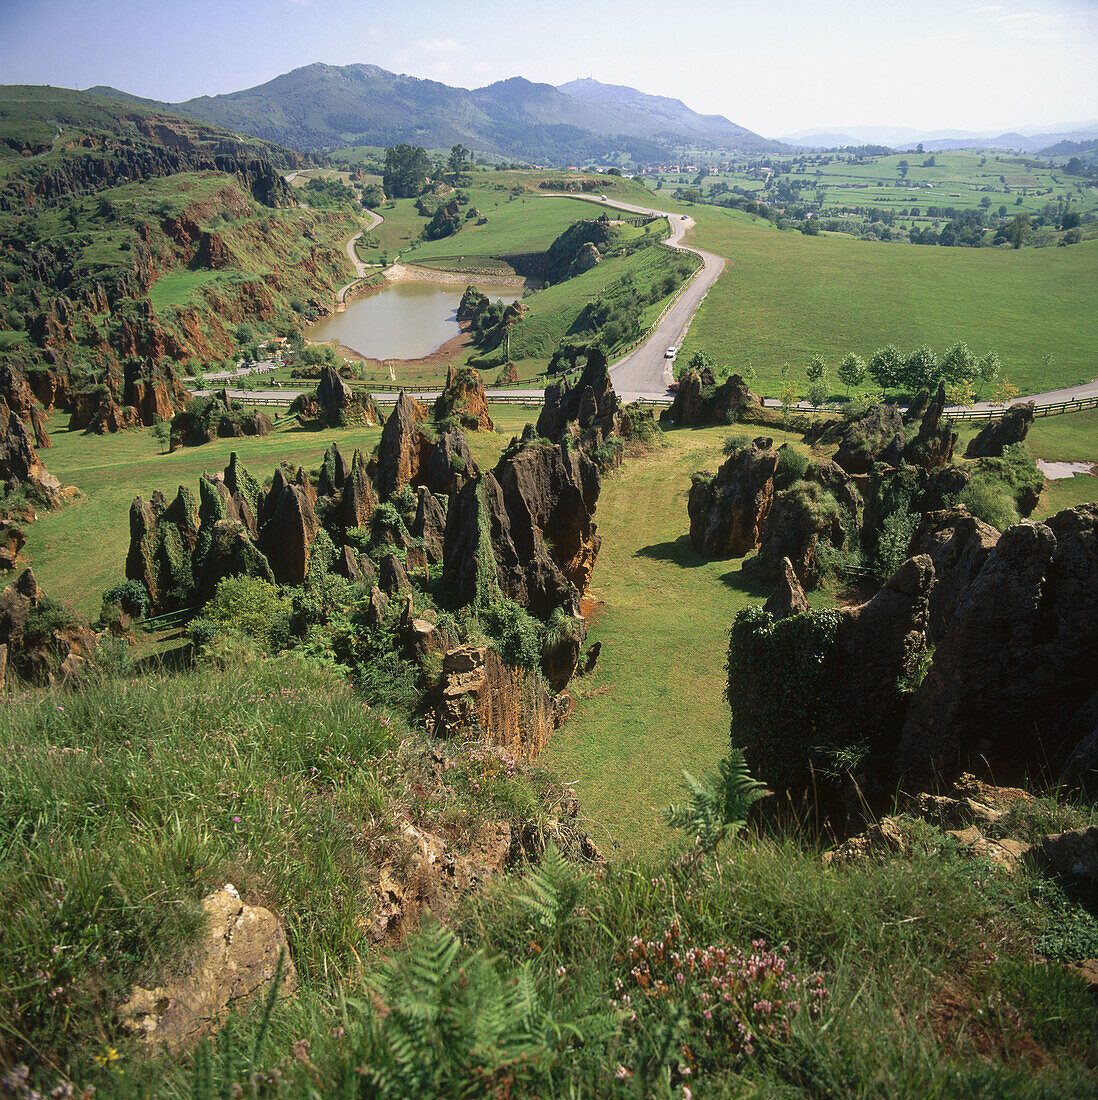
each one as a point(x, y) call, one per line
point(405, 320)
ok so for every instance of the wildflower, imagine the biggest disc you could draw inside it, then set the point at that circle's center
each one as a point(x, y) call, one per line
point(107, 1058)
point(621, 1073)
point(236, 818)
point(561, 971)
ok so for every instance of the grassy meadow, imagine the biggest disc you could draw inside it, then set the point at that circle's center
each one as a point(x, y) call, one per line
point(784, 297)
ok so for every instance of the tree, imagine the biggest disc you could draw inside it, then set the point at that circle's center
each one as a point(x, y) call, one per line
point(922, 370)
point(406, 170)
point(789, 398)
point(816, 369)
point(988, 370)
point(959, 366)
point(700, 360)
point(458, 164)
point(1018, 230)
point(852, 371)
point(1007, 391)
point(817, 393)
point(161, 431)
point(886, 368)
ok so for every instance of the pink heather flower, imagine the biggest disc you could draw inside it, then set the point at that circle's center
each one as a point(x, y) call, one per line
point(236, 818)
point(621, 1073)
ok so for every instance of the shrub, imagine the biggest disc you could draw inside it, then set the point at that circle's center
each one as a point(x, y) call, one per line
point(893, 542)
point(130, 595)
point(516, 633)
point(249, 606)
point(792, 465)
point(991, 500)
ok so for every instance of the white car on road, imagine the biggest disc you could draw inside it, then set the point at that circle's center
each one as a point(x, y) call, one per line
point(671, 352)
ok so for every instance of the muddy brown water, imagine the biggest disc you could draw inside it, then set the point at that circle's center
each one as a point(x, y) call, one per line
point(405, 320)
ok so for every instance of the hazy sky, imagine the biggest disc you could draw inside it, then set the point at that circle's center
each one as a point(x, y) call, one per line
point(775, 66)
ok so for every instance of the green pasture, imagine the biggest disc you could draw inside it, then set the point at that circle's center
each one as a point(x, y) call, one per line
point(784, 297)
point(177, 287)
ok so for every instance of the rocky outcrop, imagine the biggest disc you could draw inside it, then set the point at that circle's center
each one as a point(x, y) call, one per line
point(236, 965)
point(876, 437)
point(700, 400)
point(958, 545)
point(463, 400)
point(335, 405)
point(405, 448)
point(20, 466)
point(1012, 427)
point(879, 644)
point(42, 641)
point(1017, 661)
point(822, 510)
point(356, 499)
point(526, 529)
point(591, 404)
point(449, 464)
point(728, 513)
point(788, 597)
point(429, 525)
point(512, 706)
point(286, 538)
point(933, 446)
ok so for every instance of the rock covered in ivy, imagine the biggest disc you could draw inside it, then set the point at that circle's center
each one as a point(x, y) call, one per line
point(449, 464)
point(286, 538)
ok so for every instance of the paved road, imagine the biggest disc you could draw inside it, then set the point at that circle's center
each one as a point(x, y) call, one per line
point(360, 267)
point(646, 372)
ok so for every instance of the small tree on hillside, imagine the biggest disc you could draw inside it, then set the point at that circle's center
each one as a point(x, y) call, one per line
point(852, 371)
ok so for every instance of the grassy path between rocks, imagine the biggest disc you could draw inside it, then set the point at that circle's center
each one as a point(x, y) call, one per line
point(655, 703)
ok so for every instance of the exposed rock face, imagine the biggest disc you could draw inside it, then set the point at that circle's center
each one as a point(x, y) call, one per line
point(12, 540)
point(876, 437)
point(231, 553)
point(335, 404)
point(449, 464)
point(391, 576)
point(512, 707)
point(429, 524)
point(41, 641)
point(19, 461)
point(404, 450)
point(286, 539)
point(431, 876)
point(1012, 427)
point(1018, 660)
point(591, 403)
point(957, 544)
point(729, 512)
point(1073, 854)
point(357, 500)
point(788, 597)
point(933, 447)
point(1081, 771)
point(237, 965)
point(41, 432)
point(700, 400)
point(464, 399)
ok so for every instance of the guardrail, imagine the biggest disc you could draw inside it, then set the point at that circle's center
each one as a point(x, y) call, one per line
point(1052, 408)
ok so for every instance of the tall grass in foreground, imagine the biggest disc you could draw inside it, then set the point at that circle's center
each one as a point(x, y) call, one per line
point(755, 971)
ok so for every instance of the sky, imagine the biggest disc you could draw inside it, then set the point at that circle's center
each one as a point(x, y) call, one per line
point(774, 66)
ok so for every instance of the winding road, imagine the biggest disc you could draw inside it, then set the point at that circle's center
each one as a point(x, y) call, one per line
point(646, 372)
point(360, 268)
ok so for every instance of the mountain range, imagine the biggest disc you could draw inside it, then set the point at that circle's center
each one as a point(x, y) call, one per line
point(321, 107)
point(1024, 139)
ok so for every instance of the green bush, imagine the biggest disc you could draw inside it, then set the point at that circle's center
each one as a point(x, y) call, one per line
point(991, 500)
point(517, 635)
point(792, 465)
point(897, 531)
point(248, 606)
point(131, 596)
